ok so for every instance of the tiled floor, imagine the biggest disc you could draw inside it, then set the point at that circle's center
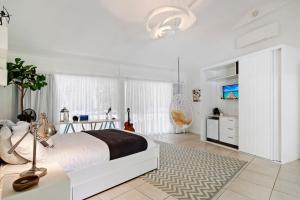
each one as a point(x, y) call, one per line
point(260, 179)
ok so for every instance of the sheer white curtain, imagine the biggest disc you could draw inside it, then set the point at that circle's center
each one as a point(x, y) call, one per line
point(149, 102)
point(42, 100)
point(86, 95)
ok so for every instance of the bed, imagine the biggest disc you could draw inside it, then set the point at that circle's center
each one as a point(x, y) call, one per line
point(87, 161)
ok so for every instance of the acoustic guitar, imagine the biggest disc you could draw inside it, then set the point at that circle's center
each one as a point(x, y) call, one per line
point(127, 125)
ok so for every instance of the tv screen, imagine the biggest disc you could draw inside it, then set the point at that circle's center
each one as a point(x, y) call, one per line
point(231, 91)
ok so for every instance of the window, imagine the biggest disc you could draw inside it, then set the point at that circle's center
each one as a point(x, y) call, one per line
point(87, 95)
point(149, 102)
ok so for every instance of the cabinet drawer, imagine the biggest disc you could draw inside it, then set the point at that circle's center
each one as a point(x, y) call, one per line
point(229, 135)
point(228, 131)
point(230, 140)
point(228, 122)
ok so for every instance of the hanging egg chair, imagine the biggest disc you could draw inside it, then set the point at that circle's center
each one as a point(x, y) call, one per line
point(181, 112)
point(181, 108)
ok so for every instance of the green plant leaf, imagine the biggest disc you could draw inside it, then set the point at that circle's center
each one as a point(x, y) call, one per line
point(25, 76)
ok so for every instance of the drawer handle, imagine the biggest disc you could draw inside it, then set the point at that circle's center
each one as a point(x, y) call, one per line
point(230, 137)
point(231, 120)
point(230, 129)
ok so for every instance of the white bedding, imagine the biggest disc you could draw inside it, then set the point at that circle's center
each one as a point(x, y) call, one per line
point(79, 150)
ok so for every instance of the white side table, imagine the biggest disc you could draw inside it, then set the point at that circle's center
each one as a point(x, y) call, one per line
point(55, 185)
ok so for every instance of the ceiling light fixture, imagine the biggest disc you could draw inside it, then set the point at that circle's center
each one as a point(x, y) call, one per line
point(168, 19)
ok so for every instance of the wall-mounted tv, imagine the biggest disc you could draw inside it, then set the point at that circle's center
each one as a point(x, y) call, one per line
point(231, 91)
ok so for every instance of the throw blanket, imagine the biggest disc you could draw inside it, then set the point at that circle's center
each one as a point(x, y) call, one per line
point(120, 143)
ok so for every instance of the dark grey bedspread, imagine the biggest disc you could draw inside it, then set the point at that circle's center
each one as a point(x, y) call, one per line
point(120, 143)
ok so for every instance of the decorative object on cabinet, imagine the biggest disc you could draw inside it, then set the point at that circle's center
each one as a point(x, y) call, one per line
point(27, 115)
point(34, 170)
point(75, 118)
point(107, 113)
point(25, 183)
point(128, 126)
point(196, 95)
point(83, 118)
point(45, 131)
point(4, 15)
point(64, 115)
point(24, 77)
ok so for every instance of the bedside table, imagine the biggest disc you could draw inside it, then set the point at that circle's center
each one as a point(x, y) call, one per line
point(55, 185)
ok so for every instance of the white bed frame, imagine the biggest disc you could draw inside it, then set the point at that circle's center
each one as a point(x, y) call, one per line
point(94, 179)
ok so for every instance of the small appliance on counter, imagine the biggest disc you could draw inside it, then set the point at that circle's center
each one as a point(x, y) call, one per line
point(216, 112)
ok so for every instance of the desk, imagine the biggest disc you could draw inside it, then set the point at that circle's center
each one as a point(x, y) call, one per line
point(104, 124)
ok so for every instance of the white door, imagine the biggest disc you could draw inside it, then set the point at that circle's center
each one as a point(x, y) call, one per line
point(258, 106)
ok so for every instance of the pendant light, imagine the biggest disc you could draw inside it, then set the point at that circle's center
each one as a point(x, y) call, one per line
point(166, 20)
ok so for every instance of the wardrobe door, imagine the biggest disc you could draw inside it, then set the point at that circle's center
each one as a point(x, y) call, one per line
point(258, 104)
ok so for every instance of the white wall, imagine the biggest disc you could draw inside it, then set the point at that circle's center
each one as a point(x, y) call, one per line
point(81, 66)
point(290, 104)
point(8, 103)
point(225, 46)
point(288, 19)
point(94, 66)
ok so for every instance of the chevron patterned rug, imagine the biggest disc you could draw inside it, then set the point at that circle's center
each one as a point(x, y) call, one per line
point(188, 174)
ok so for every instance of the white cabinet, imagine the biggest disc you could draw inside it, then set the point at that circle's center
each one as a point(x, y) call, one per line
point(269, 104)
point(54, 185)
point(213, 128)
point(229, 130)
point(257, 105)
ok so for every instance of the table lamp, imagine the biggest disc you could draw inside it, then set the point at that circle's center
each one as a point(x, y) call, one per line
point(33, 129)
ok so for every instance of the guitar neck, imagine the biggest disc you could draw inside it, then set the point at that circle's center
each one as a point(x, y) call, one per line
point(128, 116)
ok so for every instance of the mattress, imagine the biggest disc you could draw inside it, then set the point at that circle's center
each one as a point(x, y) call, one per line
point(74, 151)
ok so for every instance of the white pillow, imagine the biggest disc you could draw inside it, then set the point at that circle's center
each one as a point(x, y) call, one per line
point(7, 123)
point(25, 148)
point(21, 127)
point(5, 145)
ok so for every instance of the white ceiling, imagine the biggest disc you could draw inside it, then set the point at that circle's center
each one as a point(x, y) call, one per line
point(114, 29)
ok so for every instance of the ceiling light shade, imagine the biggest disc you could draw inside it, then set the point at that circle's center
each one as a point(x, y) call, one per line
point(165, 20)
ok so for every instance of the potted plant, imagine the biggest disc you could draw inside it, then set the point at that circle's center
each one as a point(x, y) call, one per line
point(24, 77)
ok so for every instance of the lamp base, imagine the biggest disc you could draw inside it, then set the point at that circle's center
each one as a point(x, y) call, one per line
point(35, 171)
